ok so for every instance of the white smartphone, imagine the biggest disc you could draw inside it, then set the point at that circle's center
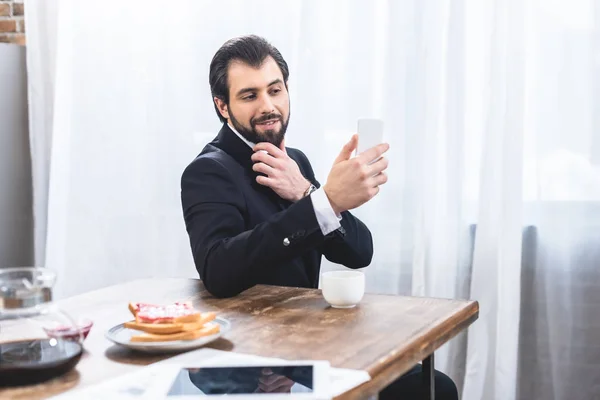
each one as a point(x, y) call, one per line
point(370, 133)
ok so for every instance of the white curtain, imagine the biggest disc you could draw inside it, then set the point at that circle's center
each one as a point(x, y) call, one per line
point(494, 177)
point(42, 19)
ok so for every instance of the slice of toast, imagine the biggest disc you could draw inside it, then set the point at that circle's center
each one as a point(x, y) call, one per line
point(207, 330)
point(206, 317)
point(166, 328)
point(133, 308)
point(182, 319)
point(160, 329)
point(178, 312)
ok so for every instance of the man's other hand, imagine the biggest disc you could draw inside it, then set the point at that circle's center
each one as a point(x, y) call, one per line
point(270, 382)
point(282, 173)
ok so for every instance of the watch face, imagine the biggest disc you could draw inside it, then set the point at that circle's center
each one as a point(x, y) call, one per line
point(310, 189)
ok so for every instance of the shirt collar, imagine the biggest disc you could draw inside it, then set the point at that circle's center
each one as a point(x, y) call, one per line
point(249, 143)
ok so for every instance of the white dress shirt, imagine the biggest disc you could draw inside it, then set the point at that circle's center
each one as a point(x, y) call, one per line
point(326, 217)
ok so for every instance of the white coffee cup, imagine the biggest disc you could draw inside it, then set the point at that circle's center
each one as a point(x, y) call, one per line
point(343, 289)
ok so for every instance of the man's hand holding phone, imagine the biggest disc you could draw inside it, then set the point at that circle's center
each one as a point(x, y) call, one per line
point(354, 181)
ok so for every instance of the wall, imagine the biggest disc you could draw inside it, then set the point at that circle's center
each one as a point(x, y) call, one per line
point(16, 221)
point(12, 23)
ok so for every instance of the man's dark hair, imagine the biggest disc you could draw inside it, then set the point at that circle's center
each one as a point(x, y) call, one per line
point(251, 50)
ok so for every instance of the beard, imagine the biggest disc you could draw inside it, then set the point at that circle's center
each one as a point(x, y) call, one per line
point(273, 136)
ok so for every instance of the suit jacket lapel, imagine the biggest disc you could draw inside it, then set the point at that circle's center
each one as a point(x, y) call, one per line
point(228, 141)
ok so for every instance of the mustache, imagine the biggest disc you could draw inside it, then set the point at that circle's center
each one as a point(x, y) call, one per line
point(266, 118)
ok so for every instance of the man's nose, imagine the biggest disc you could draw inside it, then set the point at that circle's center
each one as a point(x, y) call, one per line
point(266, 105)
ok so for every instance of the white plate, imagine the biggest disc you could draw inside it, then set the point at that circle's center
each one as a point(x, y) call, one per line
point(121, 336)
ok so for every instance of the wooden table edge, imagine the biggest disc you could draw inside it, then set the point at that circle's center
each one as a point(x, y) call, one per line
point(388, 371)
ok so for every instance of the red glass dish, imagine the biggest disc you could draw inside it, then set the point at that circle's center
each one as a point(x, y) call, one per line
point(84, 326)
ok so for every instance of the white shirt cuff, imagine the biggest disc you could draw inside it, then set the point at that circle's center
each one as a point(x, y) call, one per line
point(326, 217)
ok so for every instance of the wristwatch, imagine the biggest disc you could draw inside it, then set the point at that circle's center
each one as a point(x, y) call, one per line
point(310, 189)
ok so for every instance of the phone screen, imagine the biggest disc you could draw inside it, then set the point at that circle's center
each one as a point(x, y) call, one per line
point(370, 133)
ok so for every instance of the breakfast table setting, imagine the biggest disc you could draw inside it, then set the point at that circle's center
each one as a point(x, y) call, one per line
point(170, 338)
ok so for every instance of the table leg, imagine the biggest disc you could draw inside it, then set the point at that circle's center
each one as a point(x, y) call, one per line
point(428, 378)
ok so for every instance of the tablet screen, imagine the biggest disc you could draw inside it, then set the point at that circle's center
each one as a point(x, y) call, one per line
point(242, 380)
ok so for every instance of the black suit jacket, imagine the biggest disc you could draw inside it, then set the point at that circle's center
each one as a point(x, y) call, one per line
point(243, 234)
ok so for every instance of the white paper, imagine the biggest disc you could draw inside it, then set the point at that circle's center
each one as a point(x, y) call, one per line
point(135, 385)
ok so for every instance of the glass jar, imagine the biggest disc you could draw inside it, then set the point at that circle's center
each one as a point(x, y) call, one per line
point(38, 341)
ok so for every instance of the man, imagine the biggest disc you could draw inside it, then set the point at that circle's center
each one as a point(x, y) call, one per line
point(253, 209)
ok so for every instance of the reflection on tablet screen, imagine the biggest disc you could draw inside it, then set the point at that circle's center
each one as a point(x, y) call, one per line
point(242, 380)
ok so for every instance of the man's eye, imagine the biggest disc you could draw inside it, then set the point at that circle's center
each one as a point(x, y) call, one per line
point(249, 97)
point(275, 91)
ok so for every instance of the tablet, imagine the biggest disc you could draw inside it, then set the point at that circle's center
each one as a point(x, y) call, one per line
point(300, 380)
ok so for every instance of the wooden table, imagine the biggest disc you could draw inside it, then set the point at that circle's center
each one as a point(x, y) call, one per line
point(384, 335)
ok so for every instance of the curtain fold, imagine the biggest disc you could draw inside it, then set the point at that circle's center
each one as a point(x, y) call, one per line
point(41, 18)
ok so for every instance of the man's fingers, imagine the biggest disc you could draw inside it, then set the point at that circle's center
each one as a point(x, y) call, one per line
point(269, 379)
point(347, 150)
point(373, 191)
point(270, 148)
point(282, 146)
point(280, 384)
point(267, 159)
point(379, 179)
point(378, 166)
point(263, 168)
point(373, 153)
point(265, 181)
point(285, 388)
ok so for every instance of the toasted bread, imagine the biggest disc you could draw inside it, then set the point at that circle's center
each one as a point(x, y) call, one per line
point(133, 308)
point(154, 328)
point(163, 314)
point(207, 317)
point(166, 328)
point(183, 319)
point(207, 330)
point(199, 322)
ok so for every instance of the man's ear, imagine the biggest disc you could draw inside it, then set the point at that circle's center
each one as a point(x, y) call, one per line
point(222, 107)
